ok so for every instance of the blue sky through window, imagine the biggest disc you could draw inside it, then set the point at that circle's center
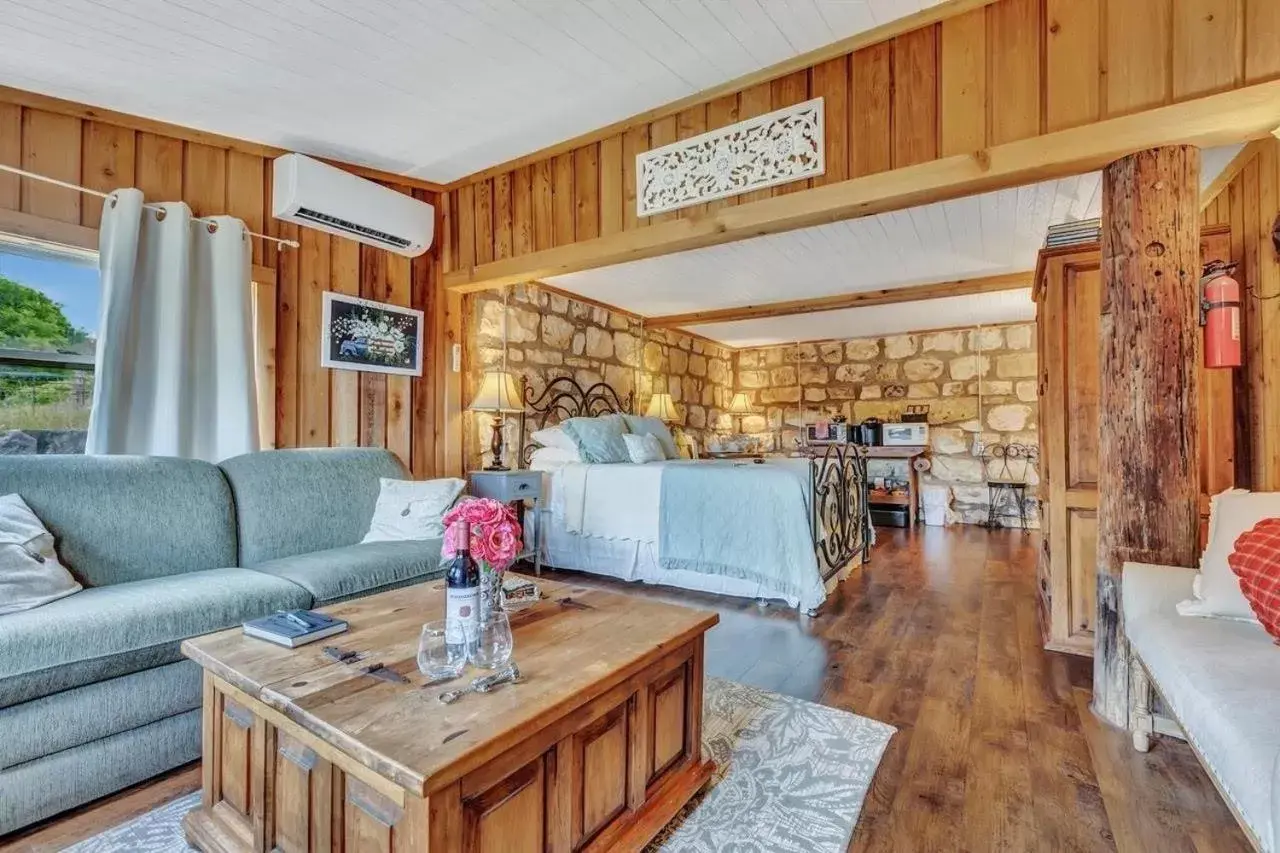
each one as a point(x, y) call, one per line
point(70, 282)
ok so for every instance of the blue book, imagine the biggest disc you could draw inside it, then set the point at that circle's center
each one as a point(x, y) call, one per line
point(294, 628)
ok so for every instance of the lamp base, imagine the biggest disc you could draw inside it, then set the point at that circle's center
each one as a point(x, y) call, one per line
point(495, 447)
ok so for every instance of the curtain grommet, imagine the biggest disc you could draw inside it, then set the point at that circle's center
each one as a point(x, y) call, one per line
point(161, 213)
point(211, 227)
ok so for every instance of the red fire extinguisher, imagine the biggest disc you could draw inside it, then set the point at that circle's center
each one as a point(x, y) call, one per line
point(1220, 315)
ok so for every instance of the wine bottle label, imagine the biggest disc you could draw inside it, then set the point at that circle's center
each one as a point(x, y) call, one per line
point(462, 606)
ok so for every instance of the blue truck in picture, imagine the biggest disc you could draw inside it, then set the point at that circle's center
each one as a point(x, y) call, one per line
point(355, 347)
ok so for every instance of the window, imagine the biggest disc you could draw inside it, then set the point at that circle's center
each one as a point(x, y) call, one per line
point(49, 301)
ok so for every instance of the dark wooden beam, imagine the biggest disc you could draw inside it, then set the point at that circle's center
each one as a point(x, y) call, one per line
point(1148, 445)
point(861, 299)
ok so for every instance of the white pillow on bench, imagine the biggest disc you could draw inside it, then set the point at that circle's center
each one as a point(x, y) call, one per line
point(1217, 589)
point(30, 573)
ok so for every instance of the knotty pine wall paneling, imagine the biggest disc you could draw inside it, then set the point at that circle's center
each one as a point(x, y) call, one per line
point(1250, 205)
point(304, 405)
point(1007, 71)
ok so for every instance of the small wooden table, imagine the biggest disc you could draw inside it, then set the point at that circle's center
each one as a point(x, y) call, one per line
point(596, 750)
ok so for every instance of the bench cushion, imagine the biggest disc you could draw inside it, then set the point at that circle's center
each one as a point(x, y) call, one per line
point(1221, 680)
point(109, 631)
point(341, 573)
point(297, 501)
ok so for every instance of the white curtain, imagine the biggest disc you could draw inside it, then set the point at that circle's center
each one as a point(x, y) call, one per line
point(174, 372)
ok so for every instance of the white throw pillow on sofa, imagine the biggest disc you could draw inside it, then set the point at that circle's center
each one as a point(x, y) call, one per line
point(412, 509)
point(30, 573)
point(1217, 589)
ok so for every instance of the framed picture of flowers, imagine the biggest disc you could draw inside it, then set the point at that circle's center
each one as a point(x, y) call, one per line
point(359, 334)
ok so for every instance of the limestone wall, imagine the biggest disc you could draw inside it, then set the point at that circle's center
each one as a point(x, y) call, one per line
point(977, 383)
point(550, 335)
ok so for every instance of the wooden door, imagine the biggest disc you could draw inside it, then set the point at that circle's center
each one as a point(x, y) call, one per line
point(1070, 310)
point(1068, 320)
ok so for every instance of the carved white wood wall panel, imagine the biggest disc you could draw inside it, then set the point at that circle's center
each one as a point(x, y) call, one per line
point(775, 148)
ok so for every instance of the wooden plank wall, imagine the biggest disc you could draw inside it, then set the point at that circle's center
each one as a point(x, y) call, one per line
point(1012, 70)
point(314, 407)
point(1250, 205)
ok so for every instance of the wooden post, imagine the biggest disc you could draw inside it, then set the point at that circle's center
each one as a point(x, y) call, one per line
point(1148, 443)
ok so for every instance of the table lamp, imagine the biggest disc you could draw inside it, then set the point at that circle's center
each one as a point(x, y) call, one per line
point(661, 406)
point(499, 393)
point(740, 405)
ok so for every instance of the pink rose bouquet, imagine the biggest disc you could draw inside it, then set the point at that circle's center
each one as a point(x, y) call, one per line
point(495, 532)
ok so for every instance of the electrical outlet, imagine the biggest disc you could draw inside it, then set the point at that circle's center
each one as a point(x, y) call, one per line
point(457, 358)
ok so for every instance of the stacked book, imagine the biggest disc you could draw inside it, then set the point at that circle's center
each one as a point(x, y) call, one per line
point(1073, 233)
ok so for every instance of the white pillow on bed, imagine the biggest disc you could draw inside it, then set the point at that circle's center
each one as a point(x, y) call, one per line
point(644, 448)
point(655, 427)
point(554, 437)
point(552, 457)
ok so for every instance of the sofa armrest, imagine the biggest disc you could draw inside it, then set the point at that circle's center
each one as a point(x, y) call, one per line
point(1148, 589)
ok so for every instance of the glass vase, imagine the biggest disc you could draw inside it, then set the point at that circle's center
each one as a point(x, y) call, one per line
point(490, 591)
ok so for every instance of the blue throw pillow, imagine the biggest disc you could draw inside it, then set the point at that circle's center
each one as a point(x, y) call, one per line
point(655, 427)
point(599, 440)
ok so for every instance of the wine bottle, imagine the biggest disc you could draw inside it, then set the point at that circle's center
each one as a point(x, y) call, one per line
point(462, 587)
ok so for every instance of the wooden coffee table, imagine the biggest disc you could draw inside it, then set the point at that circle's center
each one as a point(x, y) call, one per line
point(596, 750)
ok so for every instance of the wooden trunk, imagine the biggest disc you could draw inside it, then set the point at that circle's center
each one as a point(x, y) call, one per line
point(1148, 447)
point(597, 748)
point(606, 777)
point(1068, 317)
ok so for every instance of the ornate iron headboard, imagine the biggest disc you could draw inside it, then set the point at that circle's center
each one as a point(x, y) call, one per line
point(564, 398)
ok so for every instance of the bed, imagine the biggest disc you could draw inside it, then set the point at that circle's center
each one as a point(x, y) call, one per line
point(788, 529)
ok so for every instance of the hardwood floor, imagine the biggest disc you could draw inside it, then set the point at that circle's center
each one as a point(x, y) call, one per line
point(938, 636)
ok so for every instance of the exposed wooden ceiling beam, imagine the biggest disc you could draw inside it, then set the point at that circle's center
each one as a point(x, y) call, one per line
point(890, 296)
point(1227, 175)
point(875, 35)
point(50, 104)
point(1219, 119)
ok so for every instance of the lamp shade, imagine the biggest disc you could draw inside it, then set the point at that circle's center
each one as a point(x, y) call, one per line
point(499, 392)
point(663, 407)
point(740, 404)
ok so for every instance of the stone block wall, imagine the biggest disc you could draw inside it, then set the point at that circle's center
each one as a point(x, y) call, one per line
point(550, 335)
point(978, 383)
point(26, 442)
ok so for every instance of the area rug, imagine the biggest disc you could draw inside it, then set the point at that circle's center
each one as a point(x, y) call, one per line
point(790, 777)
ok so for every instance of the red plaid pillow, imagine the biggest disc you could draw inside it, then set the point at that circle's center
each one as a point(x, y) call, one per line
point(1256, 561)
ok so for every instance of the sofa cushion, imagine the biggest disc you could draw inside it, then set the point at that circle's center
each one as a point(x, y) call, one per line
point(117, 519)
point(1221, 680)
point(53, 723)
point(42, 788)
point(292, 502)
point(108, 631)
point(341, 573)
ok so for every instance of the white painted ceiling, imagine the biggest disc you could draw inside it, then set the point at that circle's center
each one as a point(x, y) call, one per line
point(983, 235)
point(436, 89)
point(1006, 306)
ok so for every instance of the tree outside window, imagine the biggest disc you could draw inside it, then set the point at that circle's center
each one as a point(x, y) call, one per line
point(48, 309)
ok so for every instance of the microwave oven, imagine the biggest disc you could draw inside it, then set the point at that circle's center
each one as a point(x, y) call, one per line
point(904, 435)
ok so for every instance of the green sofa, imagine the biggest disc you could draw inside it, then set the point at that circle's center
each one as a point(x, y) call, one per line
point(94, 694)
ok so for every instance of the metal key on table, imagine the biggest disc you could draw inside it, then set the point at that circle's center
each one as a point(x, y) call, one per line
point(509, 674)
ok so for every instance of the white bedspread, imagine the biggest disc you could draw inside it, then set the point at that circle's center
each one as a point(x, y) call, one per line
point(618, 501)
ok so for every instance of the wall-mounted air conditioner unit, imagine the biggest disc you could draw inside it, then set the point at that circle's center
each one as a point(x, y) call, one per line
point(318, 195)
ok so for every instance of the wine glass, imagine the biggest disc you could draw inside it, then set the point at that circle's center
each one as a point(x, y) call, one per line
point(442, 653)
point(493, 643)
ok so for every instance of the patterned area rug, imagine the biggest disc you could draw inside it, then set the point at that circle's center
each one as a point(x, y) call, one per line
point(790, 776)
